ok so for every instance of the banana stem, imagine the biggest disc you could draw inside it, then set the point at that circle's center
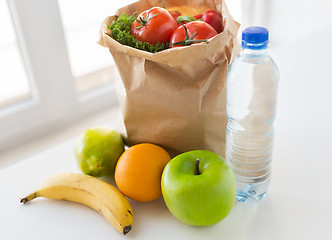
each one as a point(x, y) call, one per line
point(29, 197)
point(126, 229)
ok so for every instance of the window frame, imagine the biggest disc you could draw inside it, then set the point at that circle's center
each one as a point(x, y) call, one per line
point(54, 100)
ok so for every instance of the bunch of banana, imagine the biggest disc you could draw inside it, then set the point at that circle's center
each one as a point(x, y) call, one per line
point(90, 191)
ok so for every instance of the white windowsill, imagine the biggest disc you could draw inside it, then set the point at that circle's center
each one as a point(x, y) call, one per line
point(108, 118)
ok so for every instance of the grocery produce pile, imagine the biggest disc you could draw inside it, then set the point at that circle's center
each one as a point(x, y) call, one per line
point(197, 186)
point(157, 29)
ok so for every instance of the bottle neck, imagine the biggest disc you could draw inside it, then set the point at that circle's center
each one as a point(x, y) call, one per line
point(254, 51)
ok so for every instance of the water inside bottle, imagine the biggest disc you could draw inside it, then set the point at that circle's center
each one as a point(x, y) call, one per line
point(251, 104)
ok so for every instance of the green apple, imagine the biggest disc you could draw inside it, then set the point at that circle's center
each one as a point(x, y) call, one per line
point(97, 151)
point(199, 187)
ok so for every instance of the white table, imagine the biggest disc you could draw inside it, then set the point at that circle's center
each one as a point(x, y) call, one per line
point(299, 202)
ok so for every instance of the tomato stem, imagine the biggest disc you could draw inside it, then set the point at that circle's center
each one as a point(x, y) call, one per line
point(188, 40)
point(144, 20)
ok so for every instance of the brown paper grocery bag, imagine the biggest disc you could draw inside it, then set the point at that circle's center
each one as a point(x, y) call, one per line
point(175, 98)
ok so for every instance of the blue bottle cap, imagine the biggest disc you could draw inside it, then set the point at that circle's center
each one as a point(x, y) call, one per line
point(255, 38)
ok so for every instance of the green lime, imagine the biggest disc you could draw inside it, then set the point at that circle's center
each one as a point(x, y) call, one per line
point(97, 151)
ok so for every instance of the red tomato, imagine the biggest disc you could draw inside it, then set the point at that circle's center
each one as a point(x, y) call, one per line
point(199, 16)
point(196, 30)
point(154, 25)
point(214, 19)
point(175, 14)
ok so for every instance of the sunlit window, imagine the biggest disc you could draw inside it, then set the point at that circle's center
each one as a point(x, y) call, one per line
point(235, 9)
point(91, 64)
point(14, 84)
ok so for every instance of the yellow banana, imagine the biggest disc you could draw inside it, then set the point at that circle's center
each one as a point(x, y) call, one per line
point(90, 191)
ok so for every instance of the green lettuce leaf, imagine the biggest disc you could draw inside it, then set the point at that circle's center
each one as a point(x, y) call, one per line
point(120, 31)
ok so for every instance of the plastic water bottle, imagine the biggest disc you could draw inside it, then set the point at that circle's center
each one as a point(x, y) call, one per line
point(252, 88)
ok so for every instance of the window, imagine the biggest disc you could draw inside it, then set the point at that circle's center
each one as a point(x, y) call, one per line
point(60, 81)
point(14, 84)
point(235, 9)
point(90, 64)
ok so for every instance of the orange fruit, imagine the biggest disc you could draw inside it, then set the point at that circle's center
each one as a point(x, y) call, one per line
point(138, 171)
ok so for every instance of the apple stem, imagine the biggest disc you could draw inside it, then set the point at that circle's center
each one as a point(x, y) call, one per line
point(197, 167)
